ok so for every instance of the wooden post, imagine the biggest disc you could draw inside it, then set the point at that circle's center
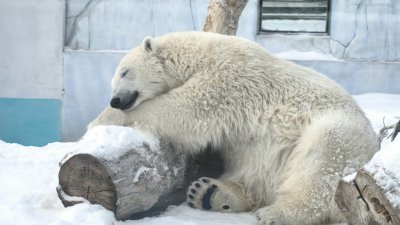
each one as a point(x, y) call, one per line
point(223, 16)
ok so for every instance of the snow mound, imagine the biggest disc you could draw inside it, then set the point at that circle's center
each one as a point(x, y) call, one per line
point(385, 169)
point(380, 108)
point(110, 142)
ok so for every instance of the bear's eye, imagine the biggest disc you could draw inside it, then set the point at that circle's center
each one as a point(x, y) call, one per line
point(124, 73)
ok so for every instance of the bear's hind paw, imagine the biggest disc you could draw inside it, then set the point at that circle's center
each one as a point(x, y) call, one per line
point(270, 216)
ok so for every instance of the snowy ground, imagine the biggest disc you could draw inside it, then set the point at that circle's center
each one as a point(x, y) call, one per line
point(28, 180)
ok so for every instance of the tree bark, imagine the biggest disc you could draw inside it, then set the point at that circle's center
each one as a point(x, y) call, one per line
point(363, 202)
point(223, 16)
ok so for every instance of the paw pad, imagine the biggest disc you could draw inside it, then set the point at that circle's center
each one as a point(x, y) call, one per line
point(200, 194)
point(205, 180)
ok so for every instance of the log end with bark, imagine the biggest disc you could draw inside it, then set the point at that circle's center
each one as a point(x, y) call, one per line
point(364, 202)
point(126, 177)
point(83, 175)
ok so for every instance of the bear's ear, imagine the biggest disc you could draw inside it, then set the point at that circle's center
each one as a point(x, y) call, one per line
point(149, 44)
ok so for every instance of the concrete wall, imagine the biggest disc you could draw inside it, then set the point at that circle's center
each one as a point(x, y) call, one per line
point(360, 30)
point(362, 51)
point(31, 43)
point(87, 82)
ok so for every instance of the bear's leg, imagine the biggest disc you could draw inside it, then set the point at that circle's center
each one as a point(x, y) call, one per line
point(216, 195)
point(295, 209)
point(302, 203)
point(328, 149)
point(305, 198)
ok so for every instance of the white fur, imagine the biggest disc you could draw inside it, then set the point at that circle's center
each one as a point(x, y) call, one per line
point(286, 132)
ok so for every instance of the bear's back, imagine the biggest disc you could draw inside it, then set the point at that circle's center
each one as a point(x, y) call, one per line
point(249, 62)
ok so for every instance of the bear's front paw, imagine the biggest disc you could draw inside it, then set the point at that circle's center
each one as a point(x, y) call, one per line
point(270, 216)
point(221, 196)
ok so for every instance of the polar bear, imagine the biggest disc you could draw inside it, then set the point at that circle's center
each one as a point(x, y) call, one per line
point(286, 133)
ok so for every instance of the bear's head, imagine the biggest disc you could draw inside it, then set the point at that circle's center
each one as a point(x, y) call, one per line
point(138, 77)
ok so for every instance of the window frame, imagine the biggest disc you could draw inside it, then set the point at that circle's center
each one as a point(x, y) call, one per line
point(327, 32)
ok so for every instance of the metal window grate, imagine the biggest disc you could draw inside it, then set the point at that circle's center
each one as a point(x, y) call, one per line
point(309, 16)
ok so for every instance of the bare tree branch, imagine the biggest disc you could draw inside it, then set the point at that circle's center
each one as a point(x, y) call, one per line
point(386, 131)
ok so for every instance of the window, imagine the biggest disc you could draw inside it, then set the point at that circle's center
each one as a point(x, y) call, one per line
point(296, 16)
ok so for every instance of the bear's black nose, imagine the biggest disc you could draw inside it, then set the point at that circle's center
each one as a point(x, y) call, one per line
point(116, 103)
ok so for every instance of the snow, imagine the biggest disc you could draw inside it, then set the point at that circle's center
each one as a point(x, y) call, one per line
point(69, 198)
point(349, 178)
point(380, 107)
point(28, 176)
point(385, 169)
point(109, 142)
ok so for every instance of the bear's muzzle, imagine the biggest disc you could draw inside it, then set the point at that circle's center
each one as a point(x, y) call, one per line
point(124, 102)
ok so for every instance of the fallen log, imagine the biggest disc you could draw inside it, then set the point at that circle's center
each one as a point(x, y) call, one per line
point(130, 173)
point(123, 170)
point(372, 195)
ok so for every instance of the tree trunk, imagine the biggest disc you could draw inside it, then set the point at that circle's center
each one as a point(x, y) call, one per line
point(223, 16)
point(363, 202)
